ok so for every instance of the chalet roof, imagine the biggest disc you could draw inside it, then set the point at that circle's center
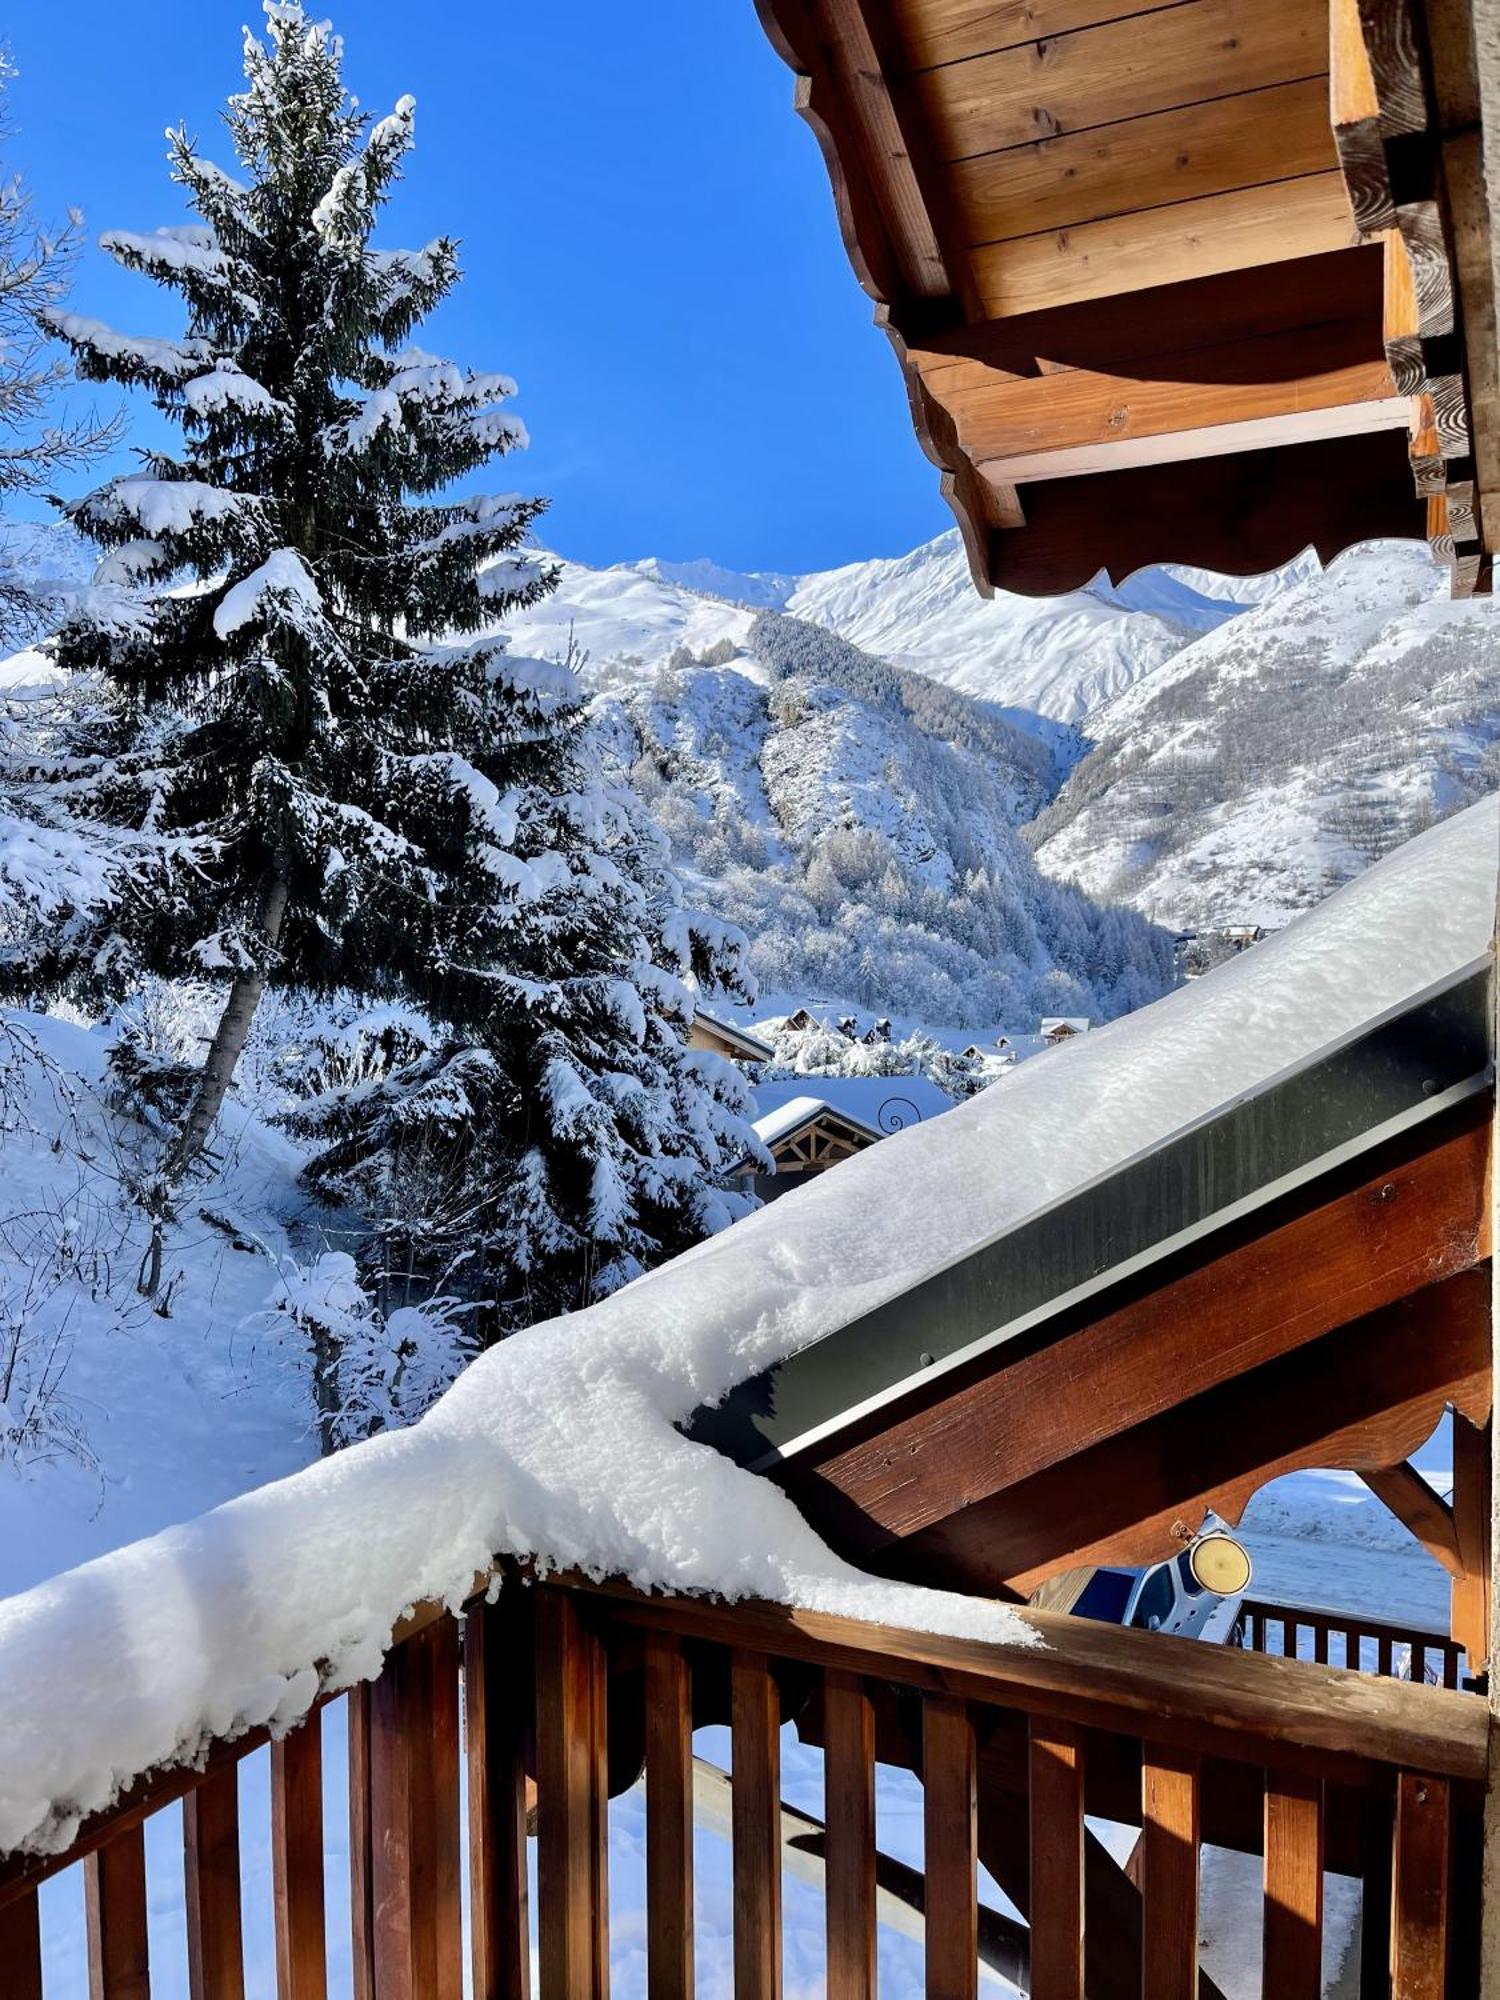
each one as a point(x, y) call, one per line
point(1076, 1024)
point(1114, 250)
point(799, 1112)
point(751, 1046)
point(1156, 1131)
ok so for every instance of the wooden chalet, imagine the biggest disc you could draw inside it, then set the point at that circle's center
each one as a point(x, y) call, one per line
point(725, 1039)
point(1199, 280)
point(1063, 1028)
point(805, 1137)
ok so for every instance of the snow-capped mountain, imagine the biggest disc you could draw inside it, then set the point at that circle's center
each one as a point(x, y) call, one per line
point(1278, 755)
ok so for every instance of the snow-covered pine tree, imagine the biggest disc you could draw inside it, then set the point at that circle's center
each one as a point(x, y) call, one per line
point(365, 794)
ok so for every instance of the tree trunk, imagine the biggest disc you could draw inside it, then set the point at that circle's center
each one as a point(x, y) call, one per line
point(218, 1073)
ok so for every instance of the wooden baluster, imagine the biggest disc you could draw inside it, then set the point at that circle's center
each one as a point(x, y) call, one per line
point(572, 1886)
point(498, 1697)
point(1419, 1891)
point(21, 1947)
point(1320, 1641)
point(211, 1853)
point(1383, 1655)
point(406, 1880)
point(669, 1820)
point(755, 1715)
point(114, 1901)
point(1056, 1912)
point(1418, 1659)
point(849, 1814)
point(297, 1862)
point(1450, 1666)
point(950, 1849)
point(361, 1845)
point(1293, 1960)
point(1169, 1864)
point(1351, 1648)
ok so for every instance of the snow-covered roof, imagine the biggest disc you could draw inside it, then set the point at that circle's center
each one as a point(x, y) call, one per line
point(754, 1048)
point(798, 1112)
point(1073, 1024)
point(563, 1443)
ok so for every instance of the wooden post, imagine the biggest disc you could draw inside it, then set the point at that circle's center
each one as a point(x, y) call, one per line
point(114, 1902)
point(669, 1820)
point(1293, 1916)
point(1056, 1913)
point(849, 1815)
point(950, 1848)
point(755, 1709)
point(297, 1862)
point(1169, 1860)
point(21, 1947)
point(1419, 1890)
point(498, 1702)
point(572, 1886)
point(211, 1856)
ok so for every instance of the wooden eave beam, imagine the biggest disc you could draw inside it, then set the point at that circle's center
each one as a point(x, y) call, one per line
point(1352, 1245)
point(1407, 1494)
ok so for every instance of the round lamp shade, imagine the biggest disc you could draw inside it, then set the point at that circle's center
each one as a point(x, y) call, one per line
point(1220, 1564)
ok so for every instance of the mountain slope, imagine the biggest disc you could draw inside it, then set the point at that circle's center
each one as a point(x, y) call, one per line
point(1277, 756)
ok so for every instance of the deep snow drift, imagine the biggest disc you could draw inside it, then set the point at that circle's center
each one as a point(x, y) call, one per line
point(561, 1443)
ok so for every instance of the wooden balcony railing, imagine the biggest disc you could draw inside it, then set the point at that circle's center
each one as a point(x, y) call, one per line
point(1341, 1639)
point(561, 1694)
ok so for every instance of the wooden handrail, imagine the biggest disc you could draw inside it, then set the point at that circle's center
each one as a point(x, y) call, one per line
point(1009, 1740)
point(1224, 1702)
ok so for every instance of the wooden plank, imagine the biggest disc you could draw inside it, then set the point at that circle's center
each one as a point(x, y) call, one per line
point(1169, 156)
point(498, 1704)
point(1159, 246)
point(1084, 408)
point(415, 1938)
point(297, 1862)
point(756, 1761)
point(21, 1947)
point(572, 1894)
point(361, 1846)
point(114, 1904)
point(1056, 1814)
point(1293, 1919)
point(211, 1857)
point(1120, 69)
point(945, 31)
point(1172, 447)
point(1169, 1863)
point(1354, 109)
point(1469, 1619)
point(950, 1848)
point(849, 1815)
point(1468, 207)
point(1400, 331)
point(1367, 1392)
point(1419, 1890)
point(1260, 1292)
point(669, 1820)
point(1407, 1494)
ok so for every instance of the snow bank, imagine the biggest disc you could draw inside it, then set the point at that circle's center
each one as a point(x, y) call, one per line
point(561, 1443)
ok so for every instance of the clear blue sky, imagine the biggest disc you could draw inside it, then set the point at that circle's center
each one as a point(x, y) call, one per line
point(648, 236)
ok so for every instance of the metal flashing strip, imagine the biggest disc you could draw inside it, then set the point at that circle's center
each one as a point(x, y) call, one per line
point(1409, 1064)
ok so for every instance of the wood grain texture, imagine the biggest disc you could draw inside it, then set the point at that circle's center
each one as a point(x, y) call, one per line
point(1001, 419)
point(1363, 1395)
point(1159, 246)
point(849, 1816)
point(21, 1947)
point(297, 1863)
point(1169, 156)
point(573, 1902)
point(950, 1848)
point(114, 1904)
point(1169, 1864)
point(944, 31)
point(1419, 1881)
point(1293, 1919)
point(669, 1820)
point(211, 1858)
point(1410, 1498)
point(1121, 69)
point(1056, 1821)
point(1260, 1290)
point(498, 1701)
point(755, 1725)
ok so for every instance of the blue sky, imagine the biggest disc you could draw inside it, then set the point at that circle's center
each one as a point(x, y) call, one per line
point(647, 231)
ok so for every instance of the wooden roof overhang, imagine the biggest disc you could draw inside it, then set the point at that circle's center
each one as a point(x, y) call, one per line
point(1293, 1281)
point(1113, 247)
